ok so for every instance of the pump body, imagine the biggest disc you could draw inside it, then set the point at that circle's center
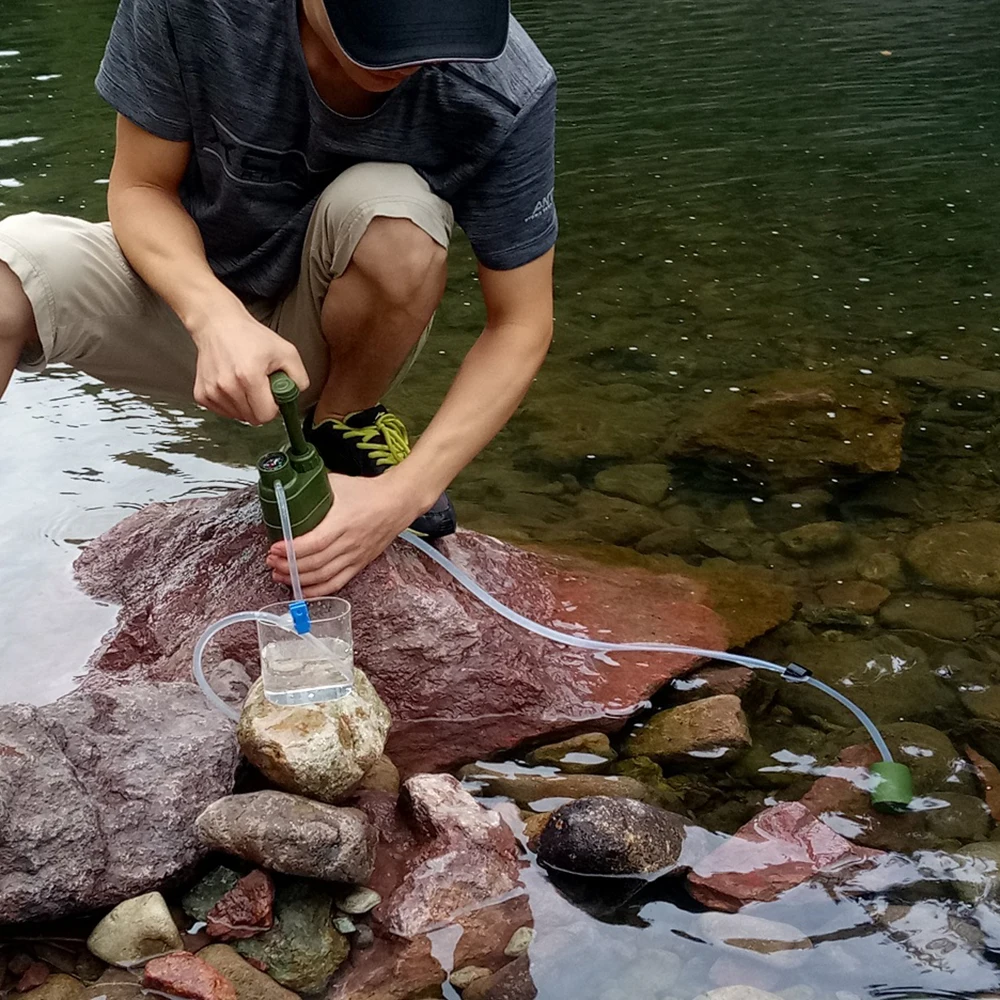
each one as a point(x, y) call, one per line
point(298, 467)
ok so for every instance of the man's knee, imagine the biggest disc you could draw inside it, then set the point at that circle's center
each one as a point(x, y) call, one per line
point(406, 264)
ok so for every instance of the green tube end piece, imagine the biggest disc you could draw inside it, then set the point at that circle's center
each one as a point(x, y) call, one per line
point(893, 791)
point(283, 388)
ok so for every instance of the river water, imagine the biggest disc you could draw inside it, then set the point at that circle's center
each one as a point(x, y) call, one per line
point(743, 188)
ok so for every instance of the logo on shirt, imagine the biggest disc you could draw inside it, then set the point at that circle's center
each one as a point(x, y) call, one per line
point(543, 207)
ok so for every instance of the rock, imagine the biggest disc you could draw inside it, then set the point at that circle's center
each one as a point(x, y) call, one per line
point(56, 956)
point(941, 373)
point(956, 816)
point(205, 893)
point(881, 567)
point(737, 993)
point(779, 849)
point(989, 778)
point(612, 519)
point(320, 751)
point(419, 636)
point(527, 789)
point(576, 755)
point(33, 977)
point(519, 942)
point(245, 910)
point(534, 824)
point(812, 540)
point(856, 595)
point(512, 982)
point(383, 777)
point(463, 978)
point(303, 949)
point(291, 834)
point(650, 774)
point(781, 943)
point(978, 877)
point(607, 836)
point(944, 619)
point(781, 426)
point(983, 704)
point(358, 901)
point(364, 937)
point(886, 677)
point(56, 987)
point(643, 484)
point(345, 925)
point(185, 975)
point(116, 984)
point(670, 541)
point(443, 860)
point(701, 728)
point(99, 790)
point(135, 930)
point(250, 983)
point(710, 681)
point(961, 558)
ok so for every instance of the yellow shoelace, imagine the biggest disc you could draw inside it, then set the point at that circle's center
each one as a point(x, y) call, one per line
point(386, 439)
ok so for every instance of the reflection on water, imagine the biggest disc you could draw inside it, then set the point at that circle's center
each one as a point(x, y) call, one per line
point(744, 188)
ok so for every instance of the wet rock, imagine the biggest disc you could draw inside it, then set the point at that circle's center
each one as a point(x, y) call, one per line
point(534, 824)
point(58, 986)
point(99, 791)
point(961, 558)
point(955, 816)
point(612, 519)
point(984, 704)
point(575, 756)
point(291, 834)
point(855, 595)
point(645, 484)
point(319, 751)
point(738, 993)
point(711, 681)
point(207, 891)
point(989, 779)
point(33, 977)
point(419, 635)
point(249, 983)
point(56, 956)
point(246, 910)
point(358, 901)
point(463, 978)
point(606, 836)
point(512, 982)
point(520, 942)
point(812, 540)
point(725, 543)
point(944, 619)
point(701, 729)
point(778, 850)
point(135, 930)
point(941, 373)
point(345, 925)
point(782, 944)
point(116, 984)
point(185, 975)
point(881, 567)
point(781, 426)
point(528, 788)
point(784, 511)
point(383, 777)
point(886, 677)
point(978, 876)
point(650, 774)
point(442, 860)
point(669, 541)
point(303, 949)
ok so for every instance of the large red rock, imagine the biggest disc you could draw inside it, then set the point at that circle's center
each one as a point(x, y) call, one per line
point(448, 871)
point(777, 850)
point(461, 682)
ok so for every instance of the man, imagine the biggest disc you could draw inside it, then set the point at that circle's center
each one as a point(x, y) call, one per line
point(285, 181)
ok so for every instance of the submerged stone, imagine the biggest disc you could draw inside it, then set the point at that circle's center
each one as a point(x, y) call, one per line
point(941, 618)
point(58, 986)
point(817, 539)
point(701, 728)
point(855, 595)
point(782, 944)
point(577, 755)
point(978, 877)
point(958, 816)
point(606, 836)
point(963, 558)
point(527, 789)
point(320, 751)
point(645, 484)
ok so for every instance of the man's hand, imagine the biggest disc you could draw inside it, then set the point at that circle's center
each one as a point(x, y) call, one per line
point(235, 356)
point(367, 515)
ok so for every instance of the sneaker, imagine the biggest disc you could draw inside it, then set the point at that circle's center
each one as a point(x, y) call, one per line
point(367, 443)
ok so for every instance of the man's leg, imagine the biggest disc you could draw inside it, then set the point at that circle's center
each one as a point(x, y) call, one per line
point(375, 313)
point(17, 325)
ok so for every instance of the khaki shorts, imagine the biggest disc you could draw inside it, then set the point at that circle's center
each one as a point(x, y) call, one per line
point(95, 313)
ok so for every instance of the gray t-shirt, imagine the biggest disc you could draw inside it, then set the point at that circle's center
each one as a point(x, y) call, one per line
point(230, 77)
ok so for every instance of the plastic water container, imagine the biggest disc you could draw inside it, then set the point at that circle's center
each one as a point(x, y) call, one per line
point(309, 669)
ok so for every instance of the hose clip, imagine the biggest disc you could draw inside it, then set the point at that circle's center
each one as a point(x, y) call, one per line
point(796, 673)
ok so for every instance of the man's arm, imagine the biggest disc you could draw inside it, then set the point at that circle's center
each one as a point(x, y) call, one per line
point(493, 379)
point(162, 243)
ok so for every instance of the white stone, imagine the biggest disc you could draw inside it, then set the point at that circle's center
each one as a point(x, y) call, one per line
point(134, 931)
point(520, 942)
point(358, 901)
point(463, 978)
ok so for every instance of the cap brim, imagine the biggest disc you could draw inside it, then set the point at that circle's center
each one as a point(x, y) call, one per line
point(390, 34)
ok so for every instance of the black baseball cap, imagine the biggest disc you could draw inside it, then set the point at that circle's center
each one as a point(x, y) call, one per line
point(390, 34)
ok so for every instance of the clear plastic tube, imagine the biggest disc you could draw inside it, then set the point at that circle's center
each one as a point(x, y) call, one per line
point(595, 645)
point(286, 531)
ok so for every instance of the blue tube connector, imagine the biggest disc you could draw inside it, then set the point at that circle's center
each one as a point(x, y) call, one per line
point(300, 617)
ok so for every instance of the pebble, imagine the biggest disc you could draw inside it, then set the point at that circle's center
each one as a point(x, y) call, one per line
point(701, 727)
point(961, 558)
point(57, 987)
point(186, 975)
point(520, 942)
point(345, 925)
point(250, 983)
point(817, 539)
point(383, 777)
point(461, 979)
point(358, 901)
point(364, 938)
point(135, 930)
point(576, 755)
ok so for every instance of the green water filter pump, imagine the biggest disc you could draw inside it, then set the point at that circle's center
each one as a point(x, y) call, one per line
point(298, 467)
